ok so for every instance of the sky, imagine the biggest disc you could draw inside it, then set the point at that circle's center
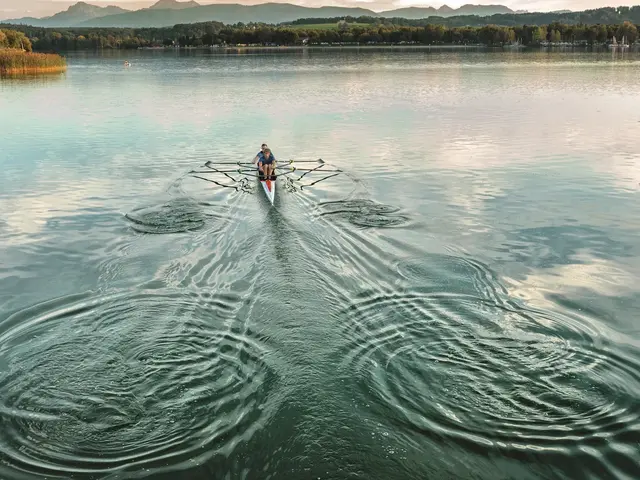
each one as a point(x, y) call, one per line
point(41, 8)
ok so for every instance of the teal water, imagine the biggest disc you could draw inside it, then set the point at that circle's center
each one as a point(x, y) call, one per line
point(459, 301)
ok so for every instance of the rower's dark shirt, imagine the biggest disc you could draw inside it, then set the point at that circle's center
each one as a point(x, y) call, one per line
point(261, 156)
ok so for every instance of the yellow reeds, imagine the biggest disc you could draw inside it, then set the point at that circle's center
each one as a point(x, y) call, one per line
point(18, 62)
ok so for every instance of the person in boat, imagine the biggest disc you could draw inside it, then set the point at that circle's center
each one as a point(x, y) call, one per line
point(266, 163)
point(261, 153)
point(260, 157)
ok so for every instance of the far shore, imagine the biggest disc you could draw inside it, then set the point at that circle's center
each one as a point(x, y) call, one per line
point(415, 46)
point(338, 35)
point(385, 46)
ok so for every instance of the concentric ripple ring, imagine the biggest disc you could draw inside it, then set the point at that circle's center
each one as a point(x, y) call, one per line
point(143, 380)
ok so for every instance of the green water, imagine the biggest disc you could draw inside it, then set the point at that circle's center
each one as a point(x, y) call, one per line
point(459, 301)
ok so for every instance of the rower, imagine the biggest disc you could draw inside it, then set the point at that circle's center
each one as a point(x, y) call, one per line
point(266, 163)
point(261, 153)
point(256, 159)
point(260, 156)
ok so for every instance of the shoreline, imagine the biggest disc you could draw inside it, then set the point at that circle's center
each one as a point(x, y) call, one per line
point(379, 46)
point(32, 70)
point(407, 46)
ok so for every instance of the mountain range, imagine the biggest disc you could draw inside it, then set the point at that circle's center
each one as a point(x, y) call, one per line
point(167, 13)
point(173, 5)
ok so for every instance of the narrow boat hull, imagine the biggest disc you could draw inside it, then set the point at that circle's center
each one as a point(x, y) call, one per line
point(269, 187)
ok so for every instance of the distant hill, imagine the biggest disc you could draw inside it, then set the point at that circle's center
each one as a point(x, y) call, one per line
point(415, 13)
point(482, 10)
point(82, 11)
point(173, 5)
point(412, 13)
point(166, 13)
point(225, 13)
point(36, 22)
point(75, 14)
point(18, 9)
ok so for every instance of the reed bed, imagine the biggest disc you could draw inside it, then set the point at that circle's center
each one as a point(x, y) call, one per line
point(17, 62)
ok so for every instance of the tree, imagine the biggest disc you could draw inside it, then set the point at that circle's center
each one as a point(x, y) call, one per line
point(15, 39)
point(509, 35)
point(629, 30)
point(287, 36)
point(538, 35)
point(433, 33)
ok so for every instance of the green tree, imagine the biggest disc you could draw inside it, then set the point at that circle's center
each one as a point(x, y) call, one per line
point(510, 35)
point(16, 39)
point(601, 33)
point(538, 35)
point(629, 30)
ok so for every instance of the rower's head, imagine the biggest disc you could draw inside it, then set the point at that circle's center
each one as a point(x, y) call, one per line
point(263, 147)
point(266, 151)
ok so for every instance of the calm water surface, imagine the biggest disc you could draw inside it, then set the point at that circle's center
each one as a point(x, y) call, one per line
point(460, 301)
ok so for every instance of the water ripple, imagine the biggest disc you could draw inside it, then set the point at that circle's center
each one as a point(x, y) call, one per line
point(484, 375)
point(363, 213)
point(175, 216)
point(148, 380)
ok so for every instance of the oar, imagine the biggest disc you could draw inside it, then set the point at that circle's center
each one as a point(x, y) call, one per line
point(209, 162)
point(223, 172)
point(217, 183)
point(253, 172)
point(215, 170)
point(313, 183)
point(311, 170)
point(306, 161)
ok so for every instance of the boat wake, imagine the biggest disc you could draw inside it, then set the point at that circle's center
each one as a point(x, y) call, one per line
point(128, 381)
point(459, 363)
point(178, 215)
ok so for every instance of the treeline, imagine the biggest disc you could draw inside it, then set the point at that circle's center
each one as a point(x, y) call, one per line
point(605, 16)
point(64, 39)
point(215, 33)
point(14, 39)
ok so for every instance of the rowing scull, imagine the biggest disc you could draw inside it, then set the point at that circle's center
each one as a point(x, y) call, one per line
point(269, 187)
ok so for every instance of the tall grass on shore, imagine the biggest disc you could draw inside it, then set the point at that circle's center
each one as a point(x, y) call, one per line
point(18, 62)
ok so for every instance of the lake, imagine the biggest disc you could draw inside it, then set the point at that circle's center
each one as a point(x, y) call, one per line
point(447, 285)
